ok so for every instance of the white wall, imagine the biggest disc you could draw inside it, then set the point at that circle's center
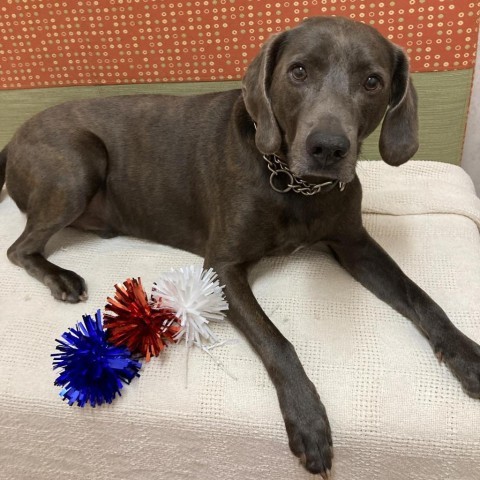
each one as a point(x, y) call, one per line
point(471, 151)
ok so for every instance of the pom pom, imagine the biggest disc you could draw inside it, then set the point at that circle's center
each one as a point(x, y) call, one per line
point(196, 298)
point(135, 324)
point(93, 370)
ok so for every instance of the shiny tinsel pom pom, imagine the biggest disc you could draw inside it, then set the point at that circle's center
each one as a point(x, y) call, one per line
point(132, 322)
point(93, 370)
point(196, 298)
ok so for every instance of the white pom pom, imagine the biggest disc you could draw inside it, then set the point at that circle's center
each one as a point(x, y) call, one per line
point(196, 297)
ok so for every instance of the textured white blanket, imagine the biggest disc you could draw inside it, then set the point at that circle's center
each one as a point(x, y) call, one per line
point(396, 413)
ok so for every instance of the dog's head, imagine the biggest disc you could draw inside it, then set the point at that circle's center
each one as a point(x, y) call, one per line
point(318, 90)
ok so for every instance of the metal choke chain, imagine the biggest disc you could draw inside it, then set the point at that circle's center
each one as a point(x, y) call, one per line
point(294, 183)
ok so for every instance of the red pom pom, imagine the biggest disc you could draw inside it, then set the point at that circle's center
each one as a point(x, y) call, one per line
point(135, 324)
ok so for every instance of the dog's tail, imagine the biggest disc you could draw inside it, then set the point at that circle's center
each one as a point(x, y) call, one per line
point(3, 166)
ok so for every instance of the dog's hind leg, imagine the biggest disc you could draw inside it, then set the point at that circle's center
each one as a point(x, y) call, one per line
point(52, 200)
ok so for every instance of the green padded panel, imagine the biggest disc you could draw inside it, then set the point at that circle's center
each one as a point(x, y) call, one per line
point(443, 98)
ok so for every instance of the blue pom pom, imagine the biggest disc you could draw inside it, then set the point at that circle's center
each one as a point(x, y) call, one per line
point(93, 370)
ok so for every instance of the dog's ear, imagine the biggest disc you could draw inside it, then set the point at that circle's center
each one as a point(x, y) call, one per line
point(399, 134)
point(255, 89)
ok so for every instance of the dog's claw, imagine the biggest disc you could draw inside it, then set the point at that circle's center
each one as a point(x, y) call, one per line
point(66, 286)
point(303, 461)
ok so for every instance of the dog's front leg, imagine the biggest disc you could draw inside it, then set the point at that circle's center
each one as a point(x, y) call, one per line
point(372, 267)
point(304, 414)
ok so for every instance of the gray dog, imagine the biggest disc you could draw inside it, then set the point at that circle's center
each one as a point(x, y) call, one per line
point(236, 176)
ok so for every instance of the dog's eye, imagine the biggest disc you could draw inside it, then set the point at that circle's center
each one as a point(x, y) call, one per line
point(298, 73)
point(372, 83)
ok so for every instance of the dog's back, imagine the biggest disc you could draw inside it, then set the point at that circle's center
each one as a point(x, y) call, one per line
point(141, 161)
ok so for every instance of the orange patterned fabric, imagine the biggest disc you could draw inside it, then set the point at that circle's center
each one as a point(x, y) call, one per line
point(47, 43)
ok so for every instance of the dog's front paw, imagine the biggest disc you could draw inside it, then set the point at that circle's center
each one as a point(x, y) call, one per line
point(462, 355)
point(308, 429)
point(67, 286)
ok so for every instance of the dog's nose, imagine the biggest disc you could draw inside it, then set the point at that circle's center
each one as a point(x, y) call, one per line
point(326, 146)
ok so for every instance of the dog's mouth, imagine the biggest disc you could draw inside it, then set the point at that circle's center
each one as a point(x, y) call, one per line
point(343, 171)
point(322, 176)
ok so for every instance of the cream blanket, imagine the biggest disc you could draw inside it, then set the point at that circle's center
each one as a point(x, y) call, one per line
point(396, 413)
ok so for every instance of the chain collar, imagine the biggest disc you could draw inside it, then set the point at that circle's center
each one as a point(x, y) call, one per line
point(294, 183)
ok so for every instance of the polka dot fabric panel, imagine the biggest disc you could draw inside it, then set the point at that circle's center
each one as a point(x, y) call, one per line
point(92, 42)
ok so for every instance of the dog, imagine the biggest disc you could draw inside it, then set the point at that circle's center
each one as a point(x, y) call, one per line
point(235, 176)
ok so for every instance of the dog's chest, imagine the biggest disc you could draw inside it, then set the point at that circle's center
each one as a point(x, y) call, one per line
point(305, 221)
point(298, 229)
